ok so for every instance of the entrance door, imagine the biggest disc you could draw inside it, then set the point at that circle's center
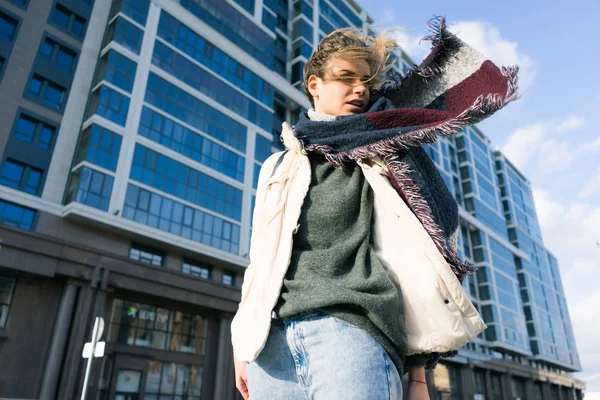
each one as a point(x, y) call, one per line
point(129, 378)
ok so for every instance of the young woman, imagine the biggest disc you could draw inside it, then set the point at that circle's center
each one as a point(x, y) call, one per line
point(353, 274)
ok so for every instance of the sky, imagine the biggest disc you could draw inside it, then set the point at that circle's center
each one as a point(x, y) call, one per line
point(551, 134)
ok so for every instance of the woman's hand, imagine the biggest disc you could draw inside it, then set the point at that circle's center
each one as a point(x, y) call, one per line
point(241, 380)
point(417, 388)
point(417, 391)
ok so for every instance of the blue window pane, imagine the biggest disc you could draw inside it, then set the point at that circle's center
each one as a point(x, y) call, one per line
point(262, 148)
point(136, 10)
point(269, 20)
point(77, 26)
point(25, 129)
point(346, 11)
point(255, 175)
point(185, 107)
point(54, 95)
point(100, 146)
point(65, 59)
point(222, 16)
point(128, 35)
point(60, 16)
point(46, 137)
point(8, 27)
point(333, 16)
point(179, 219)
point(11, 175)
point(32, 185)
point(46, 49)
point(35, 86)
point(17, 216)
point(90, 187)
point(120, 71)
point(113, 105)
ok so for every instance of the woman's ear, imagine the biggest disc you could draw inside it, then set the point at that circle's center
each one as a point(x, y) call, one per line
point(313, 83)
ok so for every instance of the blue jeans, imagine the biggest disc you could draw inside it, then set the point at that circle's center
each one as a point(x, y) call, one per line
point(320, 357)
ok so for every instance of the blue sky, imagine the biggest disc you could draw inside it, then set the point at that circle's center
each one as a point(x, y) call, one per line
point(551, 133)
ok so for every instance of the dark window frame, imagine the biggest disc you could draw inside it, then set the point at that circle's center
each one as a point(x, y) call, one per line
point(40, 122)
point(198, 265)
point(4, 203)
point(154, 252)
point(40, 98)
point(72, 17)
point(228, 274)
point(24, 178)
point(18, 21)
point(57, 46)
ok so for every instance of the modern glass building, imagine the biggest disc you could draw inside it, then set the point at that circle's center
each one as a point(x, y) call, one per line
point(132, 136)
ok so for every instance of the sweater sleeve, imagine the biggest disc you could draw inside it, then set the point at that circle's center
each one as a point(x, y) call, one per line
point(414, 361)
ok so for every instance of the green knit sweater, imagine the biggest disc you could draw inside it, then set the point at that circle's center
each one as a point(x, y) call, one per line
point(334, 268)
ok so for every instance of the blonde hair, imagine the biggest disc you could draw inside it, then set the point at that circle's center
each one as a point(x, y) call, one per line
point(349, 44)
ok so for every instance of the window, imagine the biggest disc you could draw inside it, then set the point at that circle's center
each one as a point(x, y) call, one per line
point(90, 187)
point(1, 64)
point(100, 146)
point(187, 108)
point(198, 78)
point(227, 278)
point(173, 217)
point(196, 269)
point(165, 174)
point(21, 177)
point(68, 20)
point(118, 70)
point(46, 91)
point(169, 133)
point(126, 34)
point(32, 130)
point(149, 326)
point(147, 255)
point(17, 216)
point(262, 148)
point(57, 54)
point(111, 105)
point(8, 27)
point(7, 288)
point(137, 10)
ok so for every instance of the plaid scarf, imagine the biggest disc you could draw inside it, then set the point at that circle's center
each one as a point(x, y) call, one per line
point(454, 86)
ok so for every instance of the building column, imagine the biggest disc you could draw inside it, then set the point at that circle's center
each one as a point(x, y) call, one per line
point(59, 340)
point(224, 372)
point(546, 392)
point(507, 392)
point(466, 385)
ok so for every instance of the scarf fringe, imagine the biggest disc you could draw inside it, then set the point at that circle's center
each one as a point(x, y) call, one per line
point(412, 195)
point(484, 105)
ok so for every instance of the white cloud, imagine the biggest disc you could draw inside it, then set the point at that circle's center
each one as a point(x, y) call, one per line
point(488, 40)
point(535, 142)
point(570, 123)
point(591, 147)
point(521, 146)
point(570, 231)
point(554, 155)
point(591, 187)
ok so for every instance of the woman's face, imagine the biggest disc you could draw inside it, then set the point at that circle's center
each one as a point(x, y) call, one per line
point(343, 90)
